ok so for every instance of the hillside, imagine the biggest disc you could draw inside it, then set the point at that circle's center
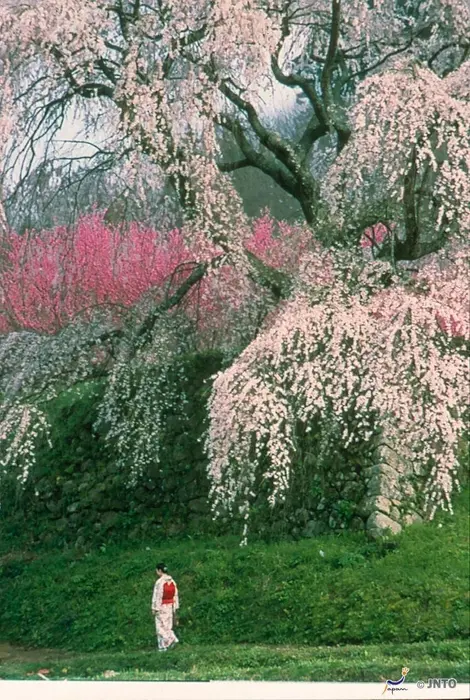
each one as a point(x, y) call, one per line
point(410, 588)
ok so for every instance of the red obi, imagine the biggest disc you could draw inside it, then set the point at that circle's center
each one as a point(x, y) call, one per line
point(169, 590)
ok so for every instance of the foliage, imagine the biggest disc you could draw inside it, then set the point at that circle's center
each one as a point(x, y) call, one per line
point(421, 180)
point(358, 592)
point(364, 663)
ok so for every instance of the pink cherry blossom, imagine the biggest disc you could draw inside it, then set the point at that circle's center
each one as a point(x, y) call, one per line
point(386, 355)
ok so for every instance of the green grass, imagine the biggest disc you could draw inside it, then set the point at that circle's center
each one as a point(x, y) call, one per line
point(254, 662)
point(404, 590)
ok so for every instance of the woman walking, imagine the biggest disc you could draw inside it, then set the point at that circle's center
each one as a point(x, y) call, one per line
point(164, 605)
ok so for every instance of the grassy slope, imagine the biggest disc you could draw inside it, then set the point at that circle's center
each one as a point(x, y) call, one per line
point(275, 594)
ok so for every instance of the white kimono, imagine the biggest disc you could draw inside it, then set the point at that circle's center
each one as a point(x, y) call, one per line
point(164, 613)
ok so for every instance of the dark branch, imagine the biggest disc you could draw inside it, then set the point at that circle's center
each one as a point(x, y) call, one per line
point(258, 159)
point(277, 282)
point(450, 45)
point(298, 81)
point(367, 69)
point(93, 90)
point(330, 56)
point(230, 167)
point(286, 153)
point(313, 132)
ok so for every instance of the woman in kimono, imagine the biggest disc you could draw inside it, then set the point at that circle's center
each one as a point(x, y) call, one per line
point(164, 605)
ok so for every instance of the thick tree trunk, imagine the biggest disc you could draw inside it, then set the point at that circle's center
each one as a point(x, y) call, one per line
point(307, 194)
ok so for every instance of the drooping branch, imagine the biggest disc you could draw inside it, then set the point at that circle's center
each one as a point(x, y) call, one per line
point(169, 303)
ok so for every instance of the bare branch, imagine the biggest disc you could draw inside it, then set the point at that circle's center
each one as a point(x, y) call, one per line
point(330, 56)
point(259, 159)
point(286, 153)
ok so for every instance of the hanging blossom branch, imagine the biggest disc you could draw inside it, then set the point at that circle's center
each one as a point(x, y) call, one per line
point(377, 358)
point(419, 168)
point(35, 367)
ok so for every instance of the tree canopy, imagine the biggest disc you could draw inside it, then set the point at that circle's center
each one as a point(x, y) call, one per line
point(380, 154)
point(382, 86)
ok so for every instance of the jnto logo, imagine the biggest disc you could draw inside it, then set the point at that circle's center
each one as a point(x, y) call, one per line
point(392, 686)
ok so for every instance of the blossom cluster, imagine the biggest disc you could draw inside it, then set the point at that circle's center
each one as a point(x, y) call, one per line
point(375, 350)
point(410, 143)
point(53, 277)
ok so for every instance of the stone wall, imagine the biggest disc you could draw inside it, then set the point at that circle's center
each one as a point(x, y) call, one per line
point(77, 493)
point(391, 499)
point(354, 489)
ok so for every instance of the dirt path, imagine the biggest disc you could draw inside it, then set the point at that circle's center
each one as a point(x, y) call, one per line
point(9, 652)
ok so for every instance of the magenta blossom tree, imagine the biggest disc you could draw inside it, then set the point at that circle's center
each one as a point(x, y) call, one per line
point(50, 278)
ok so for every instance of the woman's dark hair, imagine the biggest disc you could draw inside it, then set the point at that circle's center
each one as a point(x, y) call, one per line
point(162, 567)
